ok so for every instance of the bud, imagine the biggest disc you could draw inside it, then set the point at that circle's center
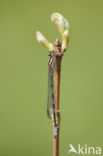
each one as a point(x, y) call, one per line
point(66, 24)
point(65, 39)
point(60, 22)
point(44, 42)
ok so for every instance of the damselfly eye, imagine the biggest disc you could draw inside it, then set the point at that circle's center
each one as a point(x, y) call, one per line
point(49, 54)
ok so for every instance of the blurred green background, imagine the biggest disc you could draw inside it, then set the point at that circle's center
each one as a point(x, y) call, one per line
point(25, 129)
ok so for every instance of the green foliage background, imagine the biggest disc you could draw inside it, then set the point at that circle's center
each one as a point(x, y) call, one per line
point(24, 127)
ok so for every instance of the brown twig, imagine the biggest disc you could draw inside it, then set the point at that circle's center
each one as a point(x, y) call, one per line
point(57, 93)
point(63, 27)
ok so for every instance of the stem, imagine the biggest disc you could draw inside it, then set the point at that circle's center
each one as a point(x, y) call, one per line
point(57, 91)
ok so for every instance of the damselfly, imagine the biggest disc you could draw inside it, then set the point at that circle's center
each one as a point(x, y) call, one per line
point(51, 100)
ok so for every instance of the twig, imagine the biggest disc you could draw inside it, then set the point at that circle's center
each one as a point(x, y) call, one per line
point(57, 93)
point(63, 27)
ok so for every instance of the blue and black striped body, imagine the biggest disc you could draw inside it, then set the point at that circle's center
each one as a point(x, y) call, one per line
point(51, 98)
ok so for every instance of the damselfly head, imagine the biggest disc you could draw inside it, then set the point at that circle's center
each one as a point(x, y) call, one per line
point(51, 54)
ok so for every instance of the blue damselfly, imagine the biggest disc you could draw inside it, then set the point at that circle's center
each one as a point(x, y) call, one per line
point(51, 100)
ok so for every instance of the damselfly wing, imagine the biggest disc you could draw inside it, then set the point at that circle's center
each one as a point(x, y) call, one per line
point(49, 100)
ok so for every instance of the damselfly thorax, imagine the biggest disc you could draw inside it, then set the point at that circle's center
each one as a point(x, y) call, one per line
point(51, 63)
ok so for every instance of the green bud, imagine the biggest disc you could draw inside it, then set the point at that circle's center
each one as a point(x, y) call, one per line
point(65, 39)
point(60, 22)
point(44, 41)
point(66, 24)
